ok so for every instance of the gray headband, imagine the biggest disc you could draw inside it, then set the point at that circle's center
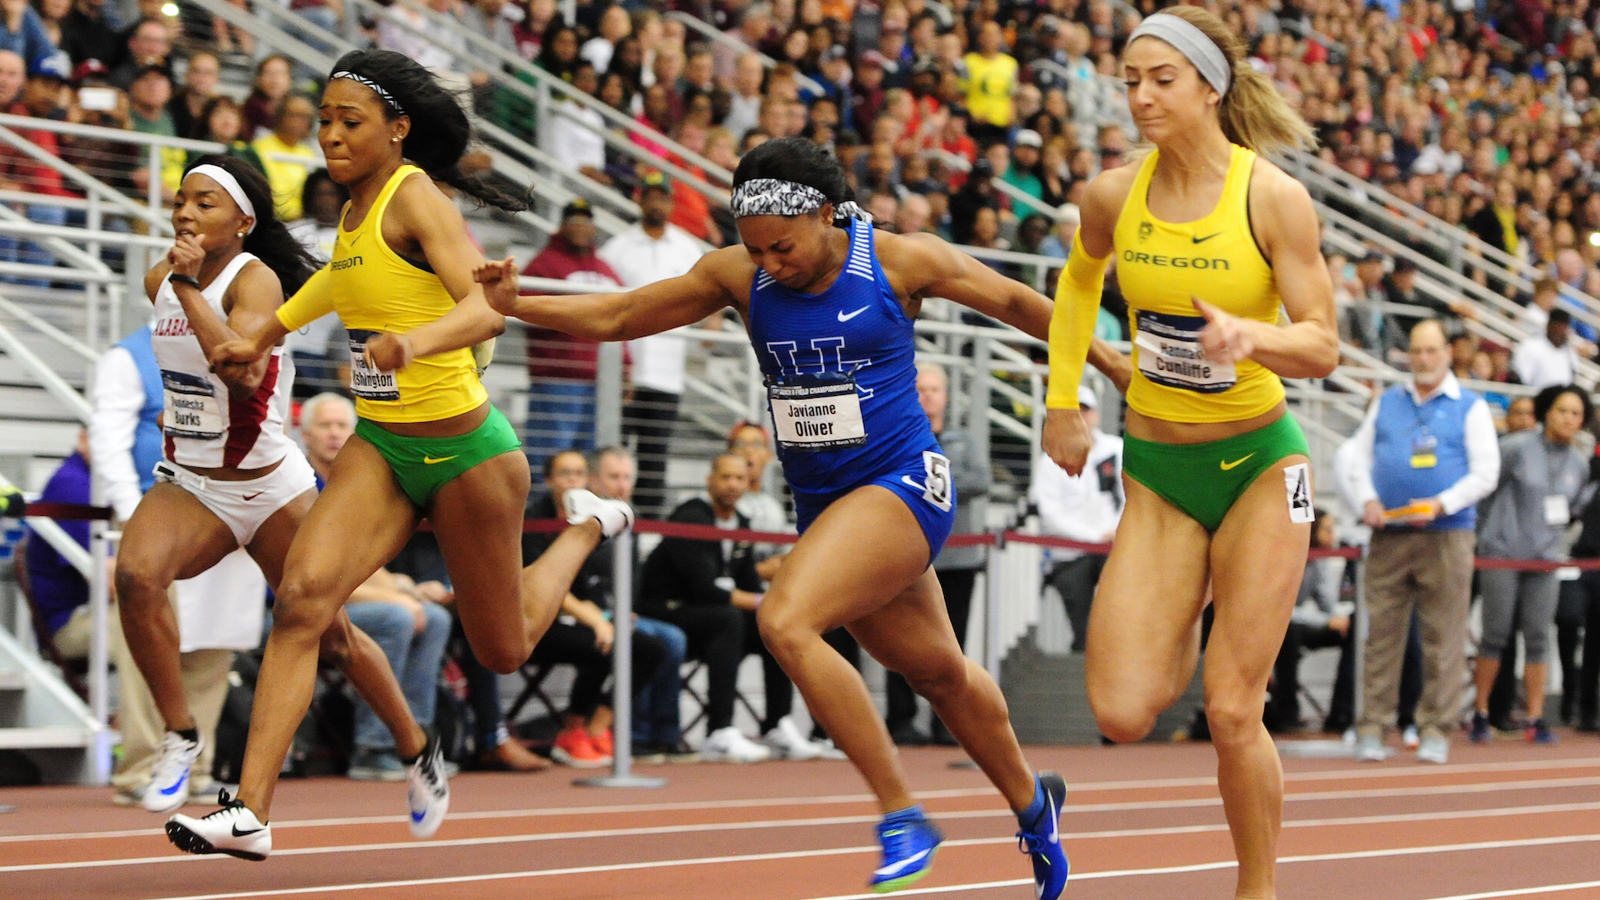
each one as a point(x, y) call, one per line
point(376, 88)
point(776, 197)
point(1192, 43)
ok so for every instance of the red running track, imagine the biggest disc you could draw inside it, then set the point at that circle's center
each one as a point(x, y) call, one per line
point(1506, 820)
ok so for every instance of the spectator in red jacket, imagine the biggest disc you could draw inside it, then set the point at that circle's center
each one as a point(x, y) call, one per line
point(561, 368)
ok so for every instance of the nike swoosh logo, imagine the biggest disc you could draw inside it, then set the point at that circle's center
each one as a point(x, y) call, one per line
point(1055, 820)
point(1199, 240)
point(1227, 466)
point(845, 317)
point(907, 480)
point(418, 816)
point(903, 864)
point(238, 833)
point(249, 497)
point(168, 792)
point(428, 460)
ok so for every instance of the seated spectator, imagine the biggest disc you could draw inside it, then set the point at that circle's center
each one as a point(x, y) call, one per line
point(1320, 619)
point(318, 349)
point(222, 121)
point(914, 215)
point(199, 86)
point(271, 84)
point(1536, 315)
point(1547, 359)
point(1023, 173)
point(291, 127)
point(22, 32)
point(40, 99)
point(406, 619)
point(1084, 508)
point(1400, 286)
point(147, 44)
point(657, 732)
point(582, 634)
point(60, 593)
point(148, 94)
point(710, 590)
point(575, 132)
point(88, 33)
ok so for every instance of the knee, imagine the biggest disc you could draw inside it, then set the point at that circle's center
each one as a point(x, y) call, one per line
point(785, 633)
point(139, 581)
point(940, 680)
point(1234, 718)
point(1536, 646)
point(1122, 718)
point(502, 658)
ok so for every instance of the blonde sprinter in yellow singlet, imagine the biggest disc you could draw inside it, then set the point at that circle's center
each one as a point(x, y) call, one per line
point(428, 443)
point(1210, 240)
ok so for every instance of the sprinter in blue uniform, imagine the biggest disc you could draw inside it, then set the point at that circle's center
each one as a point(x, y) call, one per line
point(829, 305)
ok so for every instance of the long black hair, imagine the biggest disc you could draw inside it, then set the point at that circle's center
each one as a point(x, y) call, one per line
point(798, 160)
point(271, 241)
point(440, 132)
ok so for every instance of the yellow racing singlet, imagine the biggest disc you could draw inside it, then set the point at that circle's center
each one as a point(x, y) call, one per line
point(374, 289)
point(1160, 266)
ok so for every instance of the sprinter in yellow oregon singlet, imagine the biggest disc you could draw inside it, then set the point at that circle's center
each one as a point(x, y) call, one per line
point(428, 443)
point(1212, 244)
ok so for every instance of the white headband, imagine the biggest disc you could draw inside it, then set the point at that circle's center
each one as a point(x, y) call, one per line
point(776, 197)
point(1184, 37)
point(231, 185)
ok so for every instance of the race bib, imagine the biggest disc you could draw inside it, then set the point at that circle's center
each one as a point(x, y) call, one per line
point(817, 417)
point(193, 409)
point(1297, 486)
point(1170, 355)
point(366, 382)
point(937, 487)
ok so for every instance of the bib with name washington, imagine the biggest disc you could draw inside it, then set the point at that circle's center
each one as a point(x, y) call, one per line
point(841, 375)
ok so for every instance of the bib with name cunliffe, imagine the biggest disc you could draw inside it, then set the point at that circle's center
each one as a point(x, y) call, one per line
point(1160, 266)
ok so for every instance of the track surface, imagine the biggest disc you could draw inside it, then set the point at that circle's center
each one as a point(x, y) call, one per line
point(1507, 820)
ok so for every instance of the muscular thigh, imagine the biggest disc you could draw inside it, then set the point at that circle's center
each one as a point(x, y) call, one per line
point(173, 535)
point(1146, 609)
point(477, 519)
point(271, 544)
point(1258, 559)
point(910, 634)
point(356, 525)
point(859, 554)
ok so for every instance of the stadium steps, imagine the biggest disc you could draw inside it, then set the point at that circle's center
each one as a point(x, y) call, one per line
point(44, 721)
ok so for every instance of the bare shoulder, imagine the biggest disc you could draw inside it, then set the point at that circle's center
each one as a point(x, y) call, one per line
point(154, 277)
point(1280, 203)
point(257, 276)
point(731, 268)
point(913, 260)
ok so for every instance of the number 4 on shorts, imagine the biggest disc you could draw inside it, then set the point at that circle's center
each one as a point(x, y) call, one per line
point(1297, 483)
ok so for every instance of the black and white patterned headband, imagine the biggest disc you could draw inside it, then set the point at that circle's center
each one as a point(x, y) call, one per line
point(776, 197)
point(376, 88)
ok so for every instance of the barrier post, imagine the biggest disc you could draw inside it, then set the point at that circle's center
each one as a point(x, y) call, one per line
point(622, 674)
point(1358, 644)
point(991, 628)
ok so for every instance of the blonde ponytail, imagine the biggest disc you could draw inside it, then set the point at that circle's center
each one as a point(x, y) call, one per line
point(1253, 113)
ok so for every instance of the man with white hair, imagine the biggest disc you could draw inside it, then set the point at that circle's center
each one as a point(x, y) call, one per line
point(1084, 507)
point(915, 215)
point(1418, 464)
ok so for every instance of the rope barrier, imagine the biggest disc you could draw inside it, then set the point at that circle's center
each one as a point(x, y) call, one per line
point(86, 512)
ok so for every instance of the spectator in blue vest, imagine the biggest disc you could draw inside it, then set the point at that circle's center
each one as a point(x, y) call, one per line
point(1420, 462)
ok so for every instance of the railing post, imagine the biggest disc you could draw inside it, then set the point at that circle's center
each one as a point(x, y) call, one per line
point(153, 189)
point(992, 649)
point(608, 395)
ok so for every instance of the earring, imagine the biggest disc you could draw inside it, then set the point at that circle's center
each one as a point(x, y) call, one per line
point(394, 140)
point(239, 234)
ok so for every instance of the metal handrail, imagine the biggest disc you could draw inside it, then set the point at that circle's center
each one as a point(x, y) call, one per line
point(83, 350)
point(600, 191)
point(767, 62)
point(48, 379)
point(82, 178)
point(118, 135)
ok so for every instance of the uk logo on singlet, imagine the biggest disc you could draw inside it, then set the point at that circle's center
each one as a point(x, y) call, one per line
point(824, 356)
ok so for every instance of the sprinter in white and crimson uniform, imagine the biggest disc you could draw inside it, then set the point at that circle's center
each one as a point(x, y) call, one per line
point(829, 304)
point(230, 477)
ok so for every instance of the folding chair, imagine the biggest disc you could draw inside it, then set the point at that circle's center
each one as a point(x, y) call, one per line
point(692, 668)
point(533, 678)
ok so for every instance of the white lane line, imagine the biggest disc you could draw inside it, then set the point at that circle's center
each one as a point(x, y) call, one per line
point(1372, 771)
point(1523, 892)
point(843, 851)
point(646, 831)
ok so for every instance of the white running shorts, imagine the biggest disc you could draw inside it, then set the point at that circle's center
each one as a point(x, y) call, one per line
point(244, 505)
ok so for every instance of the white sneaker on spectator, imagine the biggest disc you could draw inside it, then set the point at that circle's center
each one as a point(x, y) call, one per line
point(1410, 738)
point(786, 742)
point(613, 515)
point(1369, 748)
point(1435, 749)
point(829, 751)
point(728, 745)
point(169, 777)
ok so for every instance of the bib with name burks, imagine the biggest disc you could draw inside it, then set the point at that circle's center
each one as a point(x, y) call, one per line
point(203, 424)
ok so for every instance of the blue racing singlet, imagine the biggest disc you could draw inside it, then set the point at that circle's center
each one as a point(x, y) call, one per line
point(841, 376)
